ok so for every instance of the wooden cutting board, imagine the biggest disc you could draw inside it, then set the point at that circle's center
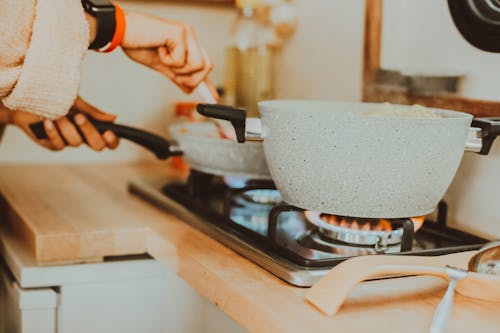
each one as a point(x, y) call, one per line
point(70, 214)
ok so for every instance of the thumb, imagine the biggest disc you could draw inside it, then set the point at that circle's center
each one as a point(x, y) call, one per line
point(82, 106)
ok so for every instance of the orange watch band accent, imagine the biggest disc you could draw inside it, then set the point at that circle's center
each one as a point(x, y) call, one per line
point(119, 31)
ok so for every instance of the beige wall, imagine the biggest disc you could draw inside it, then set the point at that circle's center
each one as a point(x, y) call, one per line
point(420, 36)
point(323, 60)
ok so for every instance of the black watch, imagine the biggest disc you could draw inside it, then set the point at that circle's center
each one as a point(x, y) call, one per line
point(104, 12)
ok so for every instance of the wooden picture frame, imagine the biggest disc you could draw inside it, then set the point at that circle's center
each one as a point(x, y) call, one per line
point(372, 91)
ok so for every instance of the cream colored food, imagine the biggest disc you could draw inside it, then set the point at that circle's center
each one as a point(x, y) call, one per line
point(398, 111)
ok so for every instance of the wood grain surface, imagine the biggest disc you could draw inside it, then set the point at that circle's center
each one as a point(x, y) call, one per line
point(64, 203)
point(71, 214)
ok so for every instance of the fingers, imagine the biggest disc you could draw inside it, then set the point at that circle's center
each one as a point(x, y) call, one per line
point(69, 132)
point(195, 61)
point(196, 66)
point(55, 139)
point(174, 52)
point(190, 82)
point(94, 139)
point(82, 106)
point(111, 139)
point(63, 132)
point(170, 48)
point(92, 136)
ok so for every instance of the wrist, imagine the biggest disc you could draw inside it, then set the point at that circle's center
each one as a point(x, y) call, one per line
point(5, 115)
point(103, 12)
point(107, 24)
point(92, 22)
point(120, 27)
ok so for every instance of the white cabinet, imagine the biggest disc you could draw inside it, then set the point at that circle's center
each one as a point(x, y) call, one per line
point(26, 311)
point(124, 296)
point(156, 304)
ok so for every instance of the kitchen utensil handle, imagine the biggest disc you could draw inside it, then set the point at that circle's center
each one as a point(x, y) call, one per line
point(443, 311)
point(206, 92)
point(236, 116)
point(331, 291)
point(490, 129)
point(154, 143)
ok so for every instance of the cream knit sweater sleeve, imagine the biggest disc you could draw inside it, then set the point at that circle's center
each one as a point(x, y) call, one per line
point(42, 44)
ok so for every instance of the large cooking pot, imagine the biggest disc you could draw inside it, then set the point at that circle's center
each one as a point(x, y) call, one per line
point(333, 158)
point(200, 144)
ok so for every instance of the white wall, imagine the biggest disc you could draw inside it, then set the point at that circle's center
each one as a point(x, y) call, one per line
point(323, 60)
point(420, 35)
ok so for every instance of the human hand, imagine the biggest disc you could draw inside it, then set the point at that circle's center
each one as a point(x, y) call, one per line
point(171, 48)
point(62, 132)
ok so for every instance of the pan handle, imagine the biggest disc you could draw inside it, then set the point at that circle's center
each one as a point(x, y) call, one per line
point(482, 134)
point(236, 116)
point(152, 142)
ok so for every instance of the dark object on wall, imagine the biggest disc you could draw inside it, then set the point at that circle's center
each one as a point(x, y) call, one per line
point(478, 21)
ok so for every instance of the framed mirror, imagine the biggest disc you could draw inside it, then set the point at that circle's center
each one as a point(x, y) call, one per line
point(413, 54)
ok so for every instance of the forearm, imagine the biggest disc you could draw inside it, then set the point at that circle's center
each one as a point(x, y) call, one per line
point(50, 68)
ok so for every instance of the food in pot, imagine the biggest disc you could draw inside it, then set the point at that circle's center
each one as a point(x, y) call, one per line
point(397, 111)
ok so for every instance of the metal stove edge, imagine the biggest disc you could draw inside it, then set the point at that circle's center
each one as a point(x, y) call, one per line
point(149, 189)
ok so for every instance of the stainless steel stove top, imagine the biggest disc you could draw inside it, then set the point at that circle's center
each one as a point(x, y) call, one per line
point(289, 246)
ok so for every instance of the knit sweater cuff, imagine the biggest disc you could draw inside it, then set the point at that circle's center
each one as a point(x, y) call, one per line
point(50, 76)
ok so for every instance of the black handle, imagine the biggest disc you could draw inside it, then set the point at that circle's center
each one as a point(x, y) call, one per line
point(152, 142)
point(237, 117)
point(490, 129)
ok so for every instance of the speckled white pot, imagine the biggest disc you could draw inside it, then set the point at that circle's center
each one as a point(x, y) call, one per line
point(329, 157)
point(221, 157)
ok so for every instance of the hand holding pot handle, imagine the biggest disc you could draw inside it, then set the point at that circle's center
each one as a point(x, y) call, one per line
point(154, 143)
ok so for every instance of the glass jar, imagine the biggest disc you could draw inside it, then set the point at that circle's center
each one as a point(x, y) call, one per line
point(249, 60)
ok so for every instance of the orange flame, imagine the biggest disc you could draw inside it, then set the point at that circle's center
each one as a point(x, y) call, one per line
point(365, 224)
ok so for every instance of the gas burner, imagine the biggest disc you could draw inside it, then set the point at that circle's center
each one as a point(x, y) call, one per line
point(316, 240)
point(299, 247)
point(379, 233)
point(235, 181)
point(263, 197)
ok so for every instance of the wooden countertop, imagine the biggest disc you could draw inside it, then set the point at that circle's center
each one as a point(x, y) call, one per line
point(81, 198)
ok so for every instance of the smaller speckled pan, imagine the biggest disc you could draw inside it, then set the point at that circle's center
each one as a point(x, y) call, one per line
point(206, 152)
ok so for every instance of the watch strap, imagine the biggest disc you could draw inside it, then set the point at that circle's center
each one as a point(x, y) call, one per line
point(119, 31)
point(106, 23)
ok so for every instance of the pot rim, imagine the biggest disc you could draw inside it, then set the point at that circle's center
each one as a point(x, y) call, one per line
point(299, 105)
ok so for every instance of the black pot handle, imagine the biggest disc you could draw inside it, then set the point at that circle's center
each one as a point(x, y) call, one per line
point(490, 129)
point(236, 116)
point(152, 142)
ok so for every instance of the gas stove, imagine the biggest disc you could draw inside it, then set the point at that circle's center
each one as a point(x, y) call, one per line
point(297, 246)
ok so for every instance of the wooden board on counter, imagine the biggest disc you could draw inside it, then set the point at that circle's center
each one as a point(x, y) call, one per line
point(72, 214)
point(253, 297)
